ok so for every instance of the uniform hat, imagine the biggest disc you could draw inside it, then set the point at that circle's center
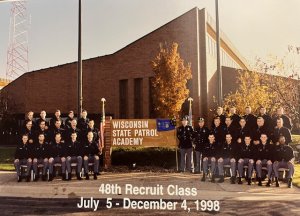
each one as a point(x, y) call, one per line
point(200, 119)
point(185, 118)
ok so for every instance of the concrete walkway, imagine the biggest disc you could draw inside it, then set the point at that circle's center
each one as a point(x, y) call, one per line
point(229, 195)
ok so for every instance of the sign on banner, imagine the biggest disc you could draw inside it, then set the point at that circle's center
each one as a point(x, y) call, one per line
point(141, 132)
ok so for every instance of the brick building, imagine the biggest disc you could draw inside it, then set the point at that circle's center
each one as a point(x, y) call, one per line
point(123, 78)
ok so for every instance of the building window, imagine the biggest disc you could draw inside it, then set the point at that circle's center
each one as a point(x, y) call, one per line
point(138, 98)
point(151, 104)
point(123, 97)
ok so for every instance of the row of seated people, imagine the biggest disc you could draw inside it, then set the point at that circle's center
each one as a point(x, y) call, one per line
point(253, 156)
point(46, 155)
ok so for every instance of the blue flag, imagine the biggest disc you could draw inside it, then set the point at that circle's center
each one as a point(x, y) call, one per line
point(164, 125)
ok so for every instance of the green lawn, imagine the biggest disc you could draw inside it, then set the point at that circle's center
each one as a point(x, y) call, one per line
point(6, 158)
point(296, 180)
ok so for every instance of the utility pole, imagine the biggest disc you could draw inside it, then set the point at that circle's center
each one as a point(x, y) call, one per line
point(79, 74)
point(219, 69)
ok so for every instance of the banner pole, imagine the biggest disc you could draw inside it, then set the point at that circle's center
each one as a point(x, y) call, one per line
point(176, 149)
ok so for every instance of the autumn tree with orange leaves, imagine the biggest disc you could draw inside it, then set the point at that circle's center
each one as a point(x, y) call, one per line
point(275, 83)
point(170, 81)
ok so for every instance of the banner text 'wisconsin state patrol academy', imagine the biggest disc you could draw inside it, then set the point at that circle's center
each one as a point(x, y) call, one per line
point(142, 132)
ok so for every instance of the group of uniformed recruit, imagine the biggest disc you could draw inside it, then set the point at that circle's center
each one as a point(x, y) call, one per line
point(44, 144)
point(248, 141)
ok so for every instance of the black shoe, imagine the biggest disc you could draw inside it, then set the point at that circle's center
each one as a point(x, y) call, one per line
point(232, 180)
point(44, 177)
point(63, 176)
point(240, 180)
point(28, 178)
point(19, 178)
point(36, 178)
point(277, 182)
point(69, 176)
point(50, 177)
point(203, 178)
point(290, 183)
point(268, 183)
point(249, 181)
point(87, 176)
point(95, 176)
point(259, 182)
point(221, 180)
point(213, 179)
point(78, 177)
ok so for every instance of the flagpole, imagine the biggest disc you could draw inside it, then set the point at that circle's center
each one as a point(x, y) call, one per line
point(190, 112)
point(102, 124)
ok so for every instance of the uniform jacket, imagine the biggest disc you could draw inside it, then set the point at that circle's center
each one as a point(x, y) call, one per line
point(71, 130)
point(45, 132)
point(277, 132)
point(201, 137)
point(22, 151)
point(219, 134)
point(73, 149)
point(90, 149)
point(230, 130)
point(242, 132)
point(57, 149)
point(210, 150)
point(245, 151)
point(250, 121)
point(83, 124)
point(95, 132)
point(264, 152)
point(235, 120)
point(55, 131)
point(185, 136)
point(258, 131)
point(228, 150)
point(42, 151)
point(283, 152)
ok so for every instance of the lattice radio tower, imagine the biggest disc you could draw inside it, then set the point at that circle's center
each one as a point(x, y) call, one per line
point(17, 53)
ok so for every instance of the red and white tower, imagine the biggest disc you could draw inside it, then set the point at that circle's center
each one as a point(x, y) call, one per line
point(17, 53)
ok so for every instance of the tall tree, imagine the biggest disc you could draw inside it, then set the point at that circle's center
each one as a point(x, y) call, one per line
point(275, 83)
point(251, 92)
point(169, 82)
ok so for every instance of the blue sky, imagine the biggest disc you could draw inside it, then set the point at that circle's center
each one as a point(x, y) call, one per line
point(256, 28)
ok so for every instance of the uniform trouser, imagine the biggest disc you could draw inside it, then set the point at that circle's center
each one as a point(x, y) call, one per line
point(91, 159)
point(36, 162)
point(186, 158)
point(245, 162)
point(227, 161)
point(212, 162)
point(60, 160)
point(198, 166)
point(18, 163)
point(283, 164)
point(265, 163)
point(74, 159)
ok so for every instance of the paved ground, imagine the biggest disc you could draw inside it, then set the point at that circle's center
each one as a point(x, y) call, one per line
point(61, 198)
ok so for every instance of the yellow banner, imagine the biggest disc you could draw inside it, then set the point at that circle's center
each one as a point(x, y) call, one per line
point(140, 132)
